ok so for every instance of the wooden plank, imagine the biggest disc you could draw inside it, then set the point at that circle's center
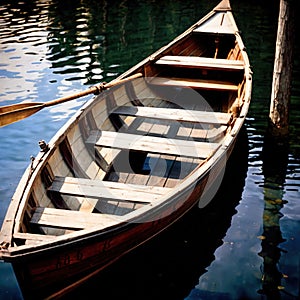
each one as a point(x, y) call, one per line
point(180, 115)
point(153, 144)
point(70, 219)
point(161, 170)
point(215, 133)
point(33, 236)
point(180, 169)
point(88, 205)
point(106, 190)
point(159, 129)
point(163, 166)
point(201, 62)
point(194, 83)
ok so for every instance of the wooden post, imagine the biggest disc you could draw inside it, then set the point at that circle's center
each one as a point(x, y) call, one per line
point(281, 88)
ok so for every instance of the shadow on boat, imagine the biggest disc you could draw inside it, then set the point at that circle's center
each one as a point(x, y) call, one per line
point(169, 266)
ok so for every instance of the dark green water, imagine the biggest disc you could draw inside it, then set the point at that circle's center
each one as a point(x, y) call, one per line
point(246, 244)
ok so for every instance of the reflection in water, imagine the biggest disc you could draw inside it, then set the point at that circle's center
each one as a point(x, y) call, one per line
point(23, 49)
point(275, 161)
point(76, 39)
point(51, 49)
point(25, 69)
point(169, 266)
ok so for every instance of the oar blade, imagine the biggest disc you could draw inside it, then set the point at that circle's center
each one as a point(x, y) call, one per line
point(8, 108)
point(16, 112)
point(12, 116)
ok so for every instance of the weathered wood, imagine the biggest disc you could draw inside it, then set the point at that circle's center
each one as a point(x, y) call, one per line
point(33, 236)
point(88, 205)
point(216, 133)
point(106, 190)
point(70, 159)
point(69, 219)
point(282, 75)
point(194, 83)
point(180, 115)
point(201, 62)
point(153, 144)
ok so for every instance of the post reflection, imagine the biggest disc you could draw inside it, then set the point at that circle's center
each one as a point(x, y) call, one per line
point(275, 161)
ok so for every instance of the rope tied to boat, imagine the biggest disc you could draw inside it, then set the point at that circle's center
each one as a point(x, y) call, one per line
point(99, 88)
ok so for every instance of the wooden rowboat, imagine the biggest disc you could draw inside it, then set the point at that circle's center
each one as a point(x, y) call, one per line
point(132, 160)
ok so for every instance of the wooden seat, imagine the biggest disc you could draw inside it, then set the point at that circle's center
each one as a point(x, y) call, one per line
point(201, 62)
point(151, 144)
point(194, 83)
point(180, 115)
point(216, 133)
point(33, 237)
point(70, 219)
point(82, 187)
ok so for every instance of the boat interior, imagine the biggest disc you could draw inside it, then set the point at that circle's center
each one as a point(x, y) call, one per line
point(139, 140)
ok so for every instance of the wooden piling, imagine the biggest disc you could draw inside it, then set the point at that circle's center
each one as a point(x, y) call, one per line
point(282, 75)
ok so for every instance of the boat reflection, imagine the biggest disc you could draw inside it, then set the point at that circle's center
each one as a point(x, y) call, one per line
point(169, 266)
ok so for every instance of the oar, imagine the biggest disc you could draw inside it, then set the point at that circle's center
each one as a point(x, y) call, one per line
point(16, 112)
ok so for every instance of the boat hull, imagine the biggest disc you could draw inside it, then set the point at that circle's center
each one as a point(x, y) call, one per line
point(132, 161)
point(41, 272)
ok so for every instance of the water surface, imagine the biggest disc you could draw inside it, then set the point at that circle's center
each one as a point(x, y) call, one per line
point(246, 245)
